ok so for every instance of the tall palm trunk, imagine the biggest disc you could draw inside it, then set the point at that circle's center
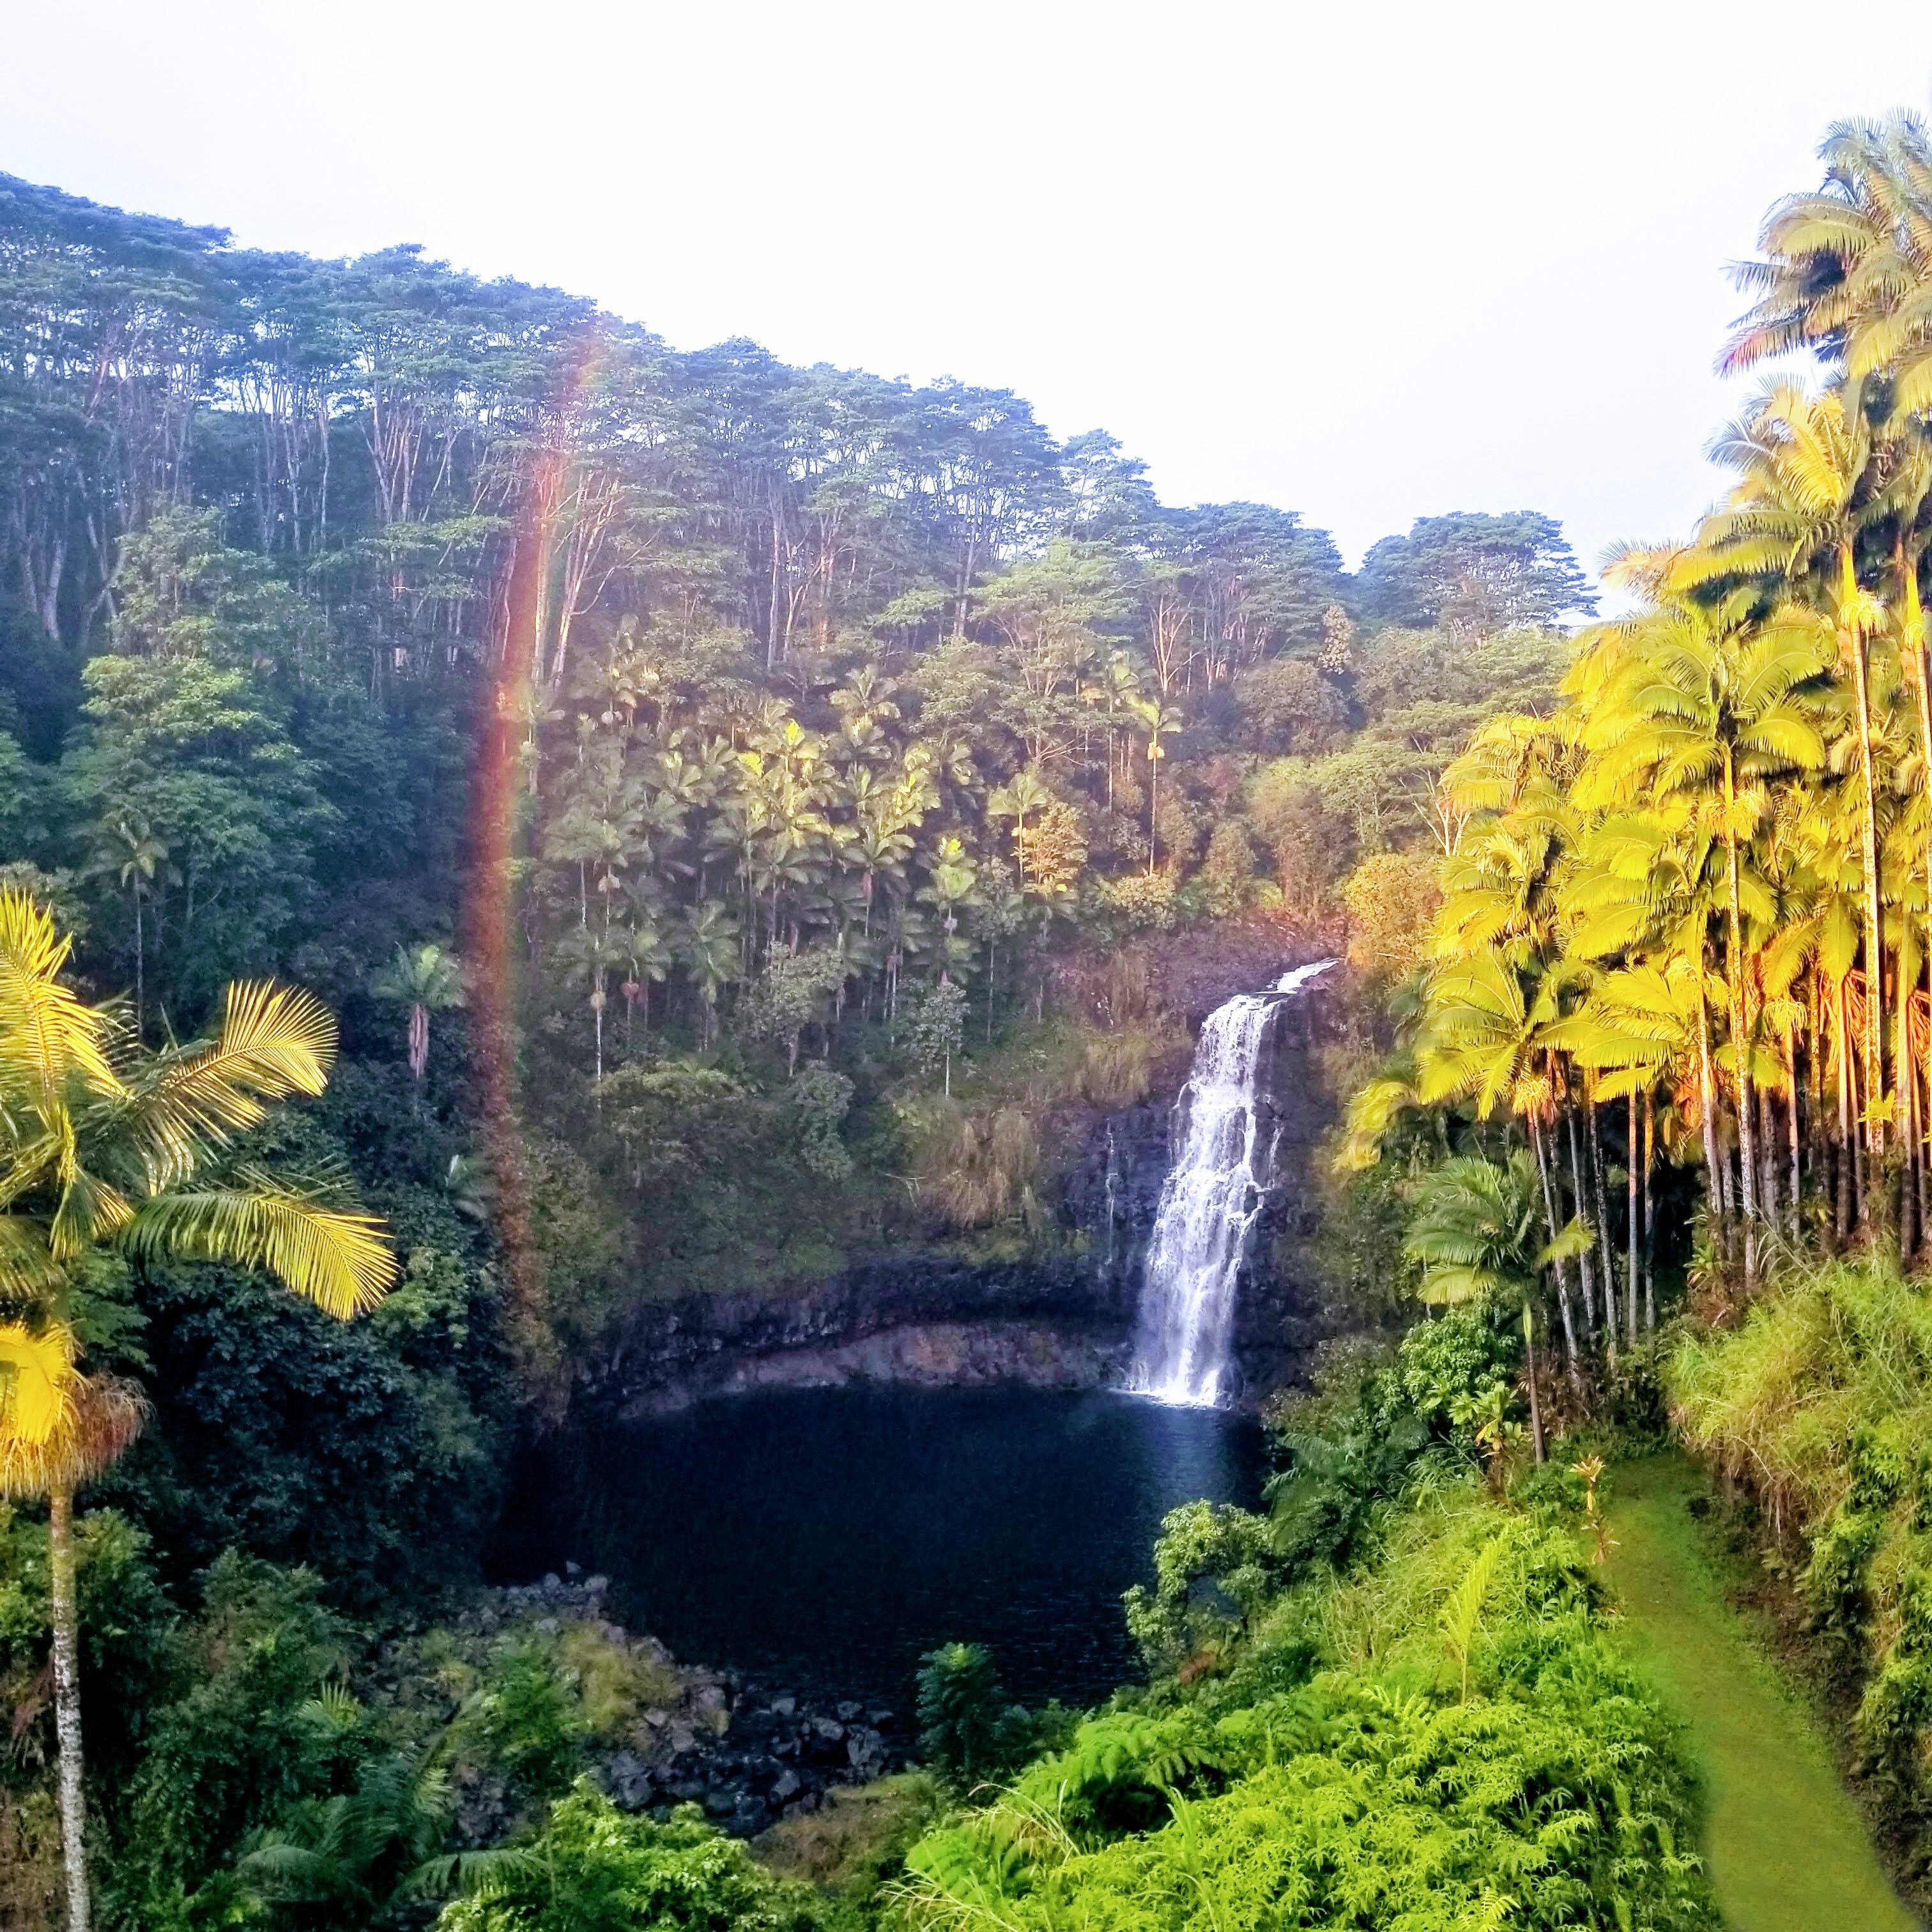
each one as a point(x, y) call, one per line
point(1630, 1278)
point(1649, 1219)
point(1915, 642)
point(1842, 1212)
point(1594, 1146)
point(1529, 1372)
point(1583, 1267)
point(67, 1706)
point(1741, 1045)
point(1707, 1098)
point(1852, 638)
point(1562, 1273)
point(1795, 1136)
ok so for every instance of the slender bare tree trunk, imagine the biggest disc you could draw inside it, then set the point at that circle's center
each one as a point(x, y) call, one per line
point(1630, 1279)
point(1842, 1217)
point(1874, 941)
point(1562, 1273)
point(1707, 1097)
point(1741, 1044)
point(1593, 1146)
point(1529, 1370)
point(1649, 1219)
point(67, 1708)
point(1583, 1267)
point(1796, 1137)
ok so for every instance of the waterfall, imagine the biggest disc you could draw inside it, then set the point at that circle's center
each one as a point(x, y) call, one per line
point(1223, 1167)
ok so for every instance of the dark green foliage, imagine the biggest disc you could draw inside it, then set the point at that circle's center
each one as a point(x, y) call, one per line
point(592, 1869)
point(1475, 574)
point(126, 1624)
point(305, 1441)
point(528, 1721)
point(241, 1745)
point(968, 1728)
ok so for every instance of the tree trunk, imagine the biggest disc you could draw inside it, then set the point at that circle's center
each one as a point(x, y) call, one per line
point(1529, 1372)
point(1585, 1272)
point(1562, 1273)
point(1707, 1097)
point(1649, 1219)
point(1796, 1137)
point(1868, 824)
point(1630, 1279)
point(1594, 1146)
point(1741, 1041)
point(1842, 1215)
point(67, 1708)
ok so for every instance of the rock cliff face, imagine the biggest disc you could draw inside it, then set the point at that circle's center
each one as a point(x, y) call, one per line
point(1058, 1320)
point(1055, 1321)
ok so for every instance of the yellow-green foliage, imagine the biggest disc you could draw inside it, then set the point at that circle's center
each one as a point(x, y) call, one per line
point(1823, 1403)
point(615, 1685)
point(1777, 1403)
point(857, 1837)
point(1542, 1789)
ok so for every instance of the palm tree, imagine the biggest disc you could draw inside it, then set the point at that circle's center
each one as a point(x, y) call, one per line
point(427, 980)
point(590, 955)
point(709, 942)
point(1022, 796)
point(1474, 1234)
point(1847, 267)
point(1707, 707)
point(105, 1145)
point(1160, 720)
point(1804, 501)
point(137, 860)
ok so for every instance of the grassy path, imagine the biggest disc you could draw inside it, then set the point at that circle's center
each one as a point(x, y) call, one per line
point(1785, 1845)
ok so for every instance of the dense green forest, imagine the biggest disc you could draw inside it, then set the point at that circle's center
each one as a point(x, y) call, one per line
point(835, 722)
point(731, 818)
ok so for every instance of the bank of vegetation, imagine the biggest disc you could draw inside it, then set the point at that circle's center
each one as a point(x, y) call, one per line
point(726, 815)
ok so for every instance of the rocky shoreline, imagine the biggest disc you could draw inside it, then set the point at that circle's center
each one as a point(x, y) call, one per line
point(749, 1752)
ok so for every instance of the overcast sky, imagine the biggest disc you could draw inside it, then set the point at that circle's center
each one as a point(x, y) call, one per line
point(1367, 262)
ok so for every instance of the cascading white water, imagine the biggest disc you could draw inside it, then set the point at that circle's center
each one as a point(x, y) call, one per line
point(1214, 1194)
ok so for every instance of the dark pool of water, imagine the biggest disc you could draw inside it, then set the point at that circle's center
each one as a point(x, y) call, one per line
point(830, 1536)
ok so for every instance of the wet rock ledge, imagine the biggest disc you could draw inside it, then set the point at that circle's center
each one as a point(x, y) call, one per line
point(1053, 1321)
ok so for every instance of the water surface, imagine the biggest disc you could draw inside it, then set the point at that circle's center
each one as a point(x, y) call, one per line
point(828, 1536)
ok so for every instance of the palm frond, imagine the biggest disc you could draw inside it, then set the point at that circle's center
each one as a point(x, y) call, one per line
point(336, 1258)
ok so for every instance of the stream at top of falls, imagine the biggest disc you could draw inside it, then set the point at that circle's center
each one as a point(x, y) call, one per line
point(827, 1538)
point(1214, 1194)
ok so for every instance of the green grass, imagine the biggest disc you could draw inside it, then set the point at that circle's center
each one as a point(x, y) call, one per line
point(1787, 1850)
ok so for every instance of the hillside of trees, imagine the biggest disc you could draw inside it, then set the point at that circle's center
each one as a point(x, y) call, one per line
point(797, 733)
point(731, 817)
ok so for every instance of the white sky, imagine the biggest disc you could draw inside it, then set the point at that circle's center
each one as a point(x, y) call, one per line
point(1369, 262)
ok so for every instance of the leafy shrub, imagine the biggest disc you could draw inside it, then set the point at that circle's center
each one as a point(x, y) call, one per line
point(1215, 1566)
point(127, 1628)
point(819, 1100)
point(239, 1747)
point(1458, 1357)
point(614, 1685)
point(592, 1868)
point(968, 1728)
point(1516, 1770)
point(1141, 901)
point(529, 1719)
